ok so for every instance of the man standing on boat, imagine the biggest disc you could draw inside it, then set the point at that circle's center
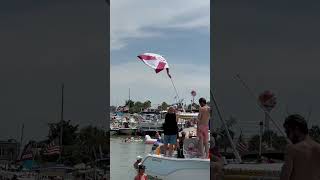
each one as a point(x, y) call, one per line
point(170, 130)
point(203, 127)
point(302, 158)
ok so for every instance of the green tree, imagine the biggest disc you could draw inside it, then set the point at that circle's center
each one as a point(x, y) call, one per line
point(129, 103)
point(93, 140)
point(146, 104)
point(164, 106)
point(278, 142)
point(223, 139)
point(69, 134)
point(138, 106)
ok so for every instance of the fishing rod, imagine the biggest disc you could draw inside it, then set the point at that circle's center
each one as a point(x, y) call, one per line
point(261, 108)
point(236, 153)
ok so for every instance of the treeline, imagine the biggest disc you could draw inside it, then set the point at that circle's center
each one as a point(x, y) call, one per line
point(278, 142)
point(138, 106)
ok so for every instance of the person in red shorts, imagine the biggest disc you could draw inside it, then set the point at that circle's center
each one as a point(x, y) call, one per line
point(203, 127)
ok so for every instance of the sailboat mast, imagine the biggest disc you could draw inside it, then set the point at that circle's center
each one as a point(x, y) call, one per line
point(129, 101)
point(61, 118)
point(21, 138)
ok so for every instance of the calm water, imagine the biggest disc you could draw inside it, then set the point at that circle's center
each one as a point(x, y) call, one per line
point(123, 155)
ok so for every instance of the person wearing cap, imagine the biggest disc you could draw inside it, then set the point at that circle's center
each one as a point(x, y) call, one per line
point(302, 156)
point(138, 161)
point(141, 173)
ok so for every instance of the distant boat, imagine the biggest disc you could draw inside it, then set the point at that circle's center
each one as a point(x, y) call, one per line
point(128, 126)
point(150, 123)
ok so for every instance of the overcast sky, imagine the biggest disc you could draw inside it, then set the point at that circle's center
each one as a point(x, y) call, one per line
point(44, 43)
point(178, 30)
point(274, 45)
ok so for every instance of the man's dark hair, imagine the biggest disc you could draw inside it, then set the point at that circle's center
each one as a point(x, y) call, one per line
point(296, 121)
point(202, 100)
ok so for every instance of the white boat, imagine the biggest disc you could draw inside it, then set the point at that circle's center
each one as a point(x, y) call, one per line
point(127, 131)
point(128, 126)
point(167, 168)
point(151, 121)
point(172, 168)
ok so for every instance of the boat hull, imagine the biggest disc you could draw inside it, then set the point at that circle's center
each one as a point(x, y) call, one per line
point(127, 131)
point(166, 168)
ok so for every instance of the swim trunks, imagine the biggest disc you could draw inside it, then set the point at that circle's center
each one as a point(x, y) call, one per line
point(203, 132)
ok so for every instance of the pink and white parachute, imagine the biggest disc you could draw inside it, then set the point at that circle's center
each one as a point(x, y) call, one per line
point(155, 61)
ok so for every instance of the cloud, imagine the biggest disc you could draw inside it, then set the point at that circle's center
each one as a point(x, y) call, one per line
point(145, 84)
point(139, 19)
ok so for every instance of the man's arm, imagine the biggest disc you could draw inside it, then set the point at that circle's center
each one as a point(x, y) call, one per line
point(288, 164)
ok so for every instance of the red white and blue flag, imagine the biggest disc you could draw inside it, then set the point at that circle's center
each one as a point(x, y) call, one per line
point(52, 149)
point(27, 153)
point(242, 146)
point(155, 61)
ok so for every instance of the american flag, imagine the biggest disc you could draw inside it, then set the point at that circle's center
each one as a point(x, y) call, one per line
point(27, 154)
point(242, 146)
point(52, 149)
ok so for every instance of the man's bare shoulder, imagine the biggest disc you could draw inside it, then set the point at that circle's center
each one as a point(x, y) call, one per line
point(291, 148)
point(204, 109)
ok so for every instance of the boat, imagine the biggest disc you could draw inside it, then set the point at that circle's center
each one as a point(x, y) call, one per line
point(114, 131)
point(150, 123)
point(168, 168)
point(171, 168)
point(48, 172)
point(127, 126)
point(114, 128)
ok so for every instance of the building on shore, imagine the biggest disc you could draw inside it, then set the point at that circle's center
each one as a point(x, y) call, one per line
point(9, 150)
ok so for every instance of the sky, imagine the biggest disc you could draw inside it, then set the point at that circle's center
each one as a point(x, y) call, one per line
point(273, 45)
point(44, 43)
point(179, 30)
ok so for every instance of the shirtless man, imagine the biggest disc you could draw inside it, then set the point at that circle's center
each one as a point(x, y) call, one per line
point(203, 127)
point(302, 160)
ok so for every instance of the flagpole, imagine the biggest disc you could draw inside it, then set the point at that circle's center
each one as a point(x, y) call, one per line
point(175, 89)
point(61, 120)
point(21, 139)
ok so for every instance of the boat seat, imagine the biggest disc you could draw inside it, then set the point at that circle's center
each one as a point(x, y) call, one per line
point(191, 148)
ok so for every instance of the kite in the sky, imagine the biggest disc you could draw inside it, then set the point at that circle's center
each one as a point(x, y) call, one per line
point(155, 61)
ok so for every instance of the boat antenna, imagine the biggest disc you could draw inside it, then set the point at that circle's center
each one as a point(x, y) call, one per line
point(235, 151)
point(237, 77)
